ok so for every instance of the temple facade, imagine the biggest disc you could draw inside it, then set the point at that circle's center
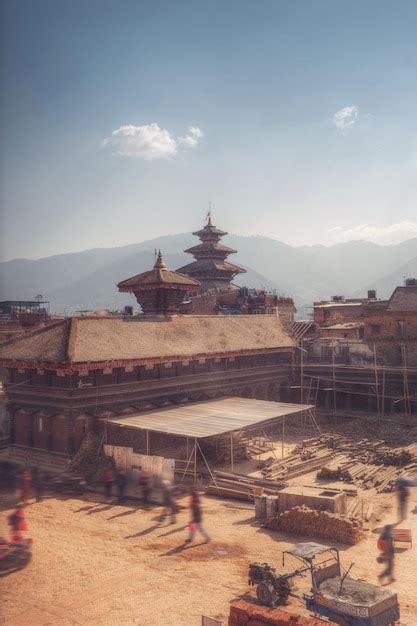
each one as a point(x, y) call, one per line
point(211, 268)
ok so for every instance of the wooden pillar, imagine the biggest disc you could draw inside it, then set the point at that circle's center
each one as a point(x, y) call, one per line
point(147, 443)
point(195, 460)
point(282, 440)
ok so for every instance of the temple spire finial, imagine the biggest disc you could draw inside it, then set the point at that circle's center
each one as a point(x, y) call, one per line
point(208, 216)
point(160, 263)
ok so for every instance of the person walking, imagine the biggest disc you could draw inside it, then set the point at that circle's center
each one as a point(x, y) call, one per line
point(196, 518)
point(403, 493)
point(144, 484)
point(386, 545)
point(170, 505)
point(121, 481)
point(17, 524)
point(108, 480)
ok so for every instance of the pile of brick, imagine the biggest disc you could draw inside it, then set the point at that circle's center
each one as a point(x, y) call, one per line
point(90, 460)
point(304, 521)
point(244, 613)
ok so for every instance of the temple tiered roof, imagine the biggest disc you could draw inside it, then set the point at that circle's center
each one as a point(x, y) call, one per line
point(210, 267)
point(159, 291)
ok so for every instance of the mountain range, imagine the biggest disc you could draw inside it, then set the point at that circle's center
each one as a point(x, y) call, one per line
point(87, 280)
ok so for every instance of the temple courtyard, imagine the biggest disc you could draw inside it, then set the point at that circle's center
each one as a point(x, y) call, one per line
point(99, 563)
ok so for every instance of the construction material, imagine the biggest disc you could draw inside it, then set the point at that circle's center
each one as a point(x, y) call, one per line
point(304, 521)
point(240, 487)
point(402, 535)
point(266, 506)
point(244, 613)
point(318, 499)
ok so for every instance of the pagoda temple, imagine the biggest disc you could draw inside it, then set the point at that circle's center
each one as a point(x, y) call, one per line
point(210, 267)
point(159, 291)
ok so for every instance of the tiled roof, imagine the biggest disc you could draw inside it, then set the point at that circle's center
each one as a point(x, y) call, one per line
point(97, 340)
point(210, 247)
point(160, 275)
point(208, 265)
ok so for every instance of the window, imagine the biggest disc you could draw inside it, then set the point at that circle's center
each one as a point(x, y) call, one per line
point(361, 332)
point(375, 330)
point(400, 329)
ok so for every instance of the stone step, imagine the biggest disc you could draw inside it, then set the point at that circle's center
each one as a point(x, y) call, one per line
point(38, 457)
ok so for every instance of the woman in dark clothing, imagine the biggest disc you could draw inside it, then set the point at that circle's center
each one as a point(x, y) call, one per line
point(196, 517)
point(386, 542)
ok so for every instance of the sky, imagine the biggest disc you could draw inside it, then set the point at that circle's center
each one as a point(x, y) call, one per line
point(121, 120)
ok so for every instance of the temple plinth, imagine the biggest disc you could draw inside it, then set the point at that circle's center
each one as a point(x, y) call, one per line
point(210, 267)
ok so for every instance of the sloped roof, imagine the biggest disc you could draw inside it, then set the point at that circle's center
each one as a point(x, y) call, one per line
point(403, 300)
point(208, 265)
point(103, 340)
point(300, 328)
point(159, 275)
point(211, 417)
point(210, 247)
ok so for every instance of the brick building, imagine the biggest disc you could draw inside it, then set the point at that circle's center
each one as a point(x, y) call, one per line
point(20, 316)
point(392, 325)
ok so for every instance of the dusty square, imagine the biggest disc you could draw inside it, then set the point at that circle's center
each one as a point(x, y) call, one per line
point(97, 563)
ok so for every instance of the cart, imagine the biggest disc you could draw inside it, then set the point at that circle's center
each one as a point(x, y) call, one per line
point(344, 600)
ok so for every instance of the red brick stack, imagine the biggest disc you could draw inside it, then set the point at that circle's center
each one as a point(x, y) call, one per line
point(247, 614)
point(304, 521)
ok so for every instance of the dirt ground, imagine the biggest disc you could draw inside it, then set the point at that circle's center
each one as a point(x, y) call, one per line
point(98, 563)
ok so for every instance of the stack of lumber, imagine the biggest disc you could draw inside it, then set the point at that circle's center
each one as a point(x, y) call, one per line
point(304, 521)
point(302, 461)
point(241, 487)
point(364, 463)
point(244, 448)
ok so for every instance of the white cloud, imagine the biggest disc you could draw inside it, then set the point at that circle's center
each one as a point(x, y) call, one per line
point(149, 142)
point(346, 118)
point(193, 137)
point(391, 234)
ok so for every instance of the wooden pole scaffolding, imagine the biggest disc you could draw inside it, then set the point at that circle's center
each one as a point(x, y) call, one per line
point(383, 393)
point(302, 373)
point(208, 467)
point(283, 433)
point(231, 451)
point(334, 384)
point(376, 383)
point(188, 463)
point(195, 460)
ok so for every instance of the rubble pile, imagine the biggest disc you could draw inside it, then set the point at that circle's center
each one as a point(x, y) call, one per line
point(90, 460)
point(243, 613)
point(304, 521)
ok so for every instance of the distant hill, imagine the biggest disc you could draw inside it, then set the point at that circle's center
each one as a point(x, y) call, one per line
point(87, 280)
point(384, 285)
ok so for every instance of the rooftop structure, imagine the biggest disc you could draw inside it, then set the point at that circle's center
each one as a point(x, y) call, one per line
point(159, 291)
point(210, 267)
point(95, 342)
point(211, 418)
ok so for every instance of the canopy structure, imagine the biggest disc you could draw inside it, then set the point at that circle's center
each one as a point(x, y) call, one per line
point(211, 417)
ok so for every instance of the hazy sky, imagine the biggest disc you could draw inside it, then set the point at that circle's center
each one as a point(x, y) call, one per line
point(121, 120)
